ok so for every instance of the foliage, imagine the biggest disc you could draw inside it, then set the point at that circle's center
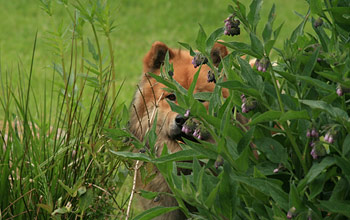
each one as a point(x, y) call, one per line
point(55, 161)
point(292, 159)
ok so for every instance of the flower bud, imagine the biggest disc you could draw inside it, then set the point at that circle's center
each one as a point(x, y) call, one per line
point(339, 92)
point(199, 59)
point(318, 22)
point(313, 153)
point(211, 76)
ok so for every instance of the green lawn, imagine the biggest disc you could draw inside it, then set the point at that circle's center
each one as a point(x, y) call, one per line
point(139, 23)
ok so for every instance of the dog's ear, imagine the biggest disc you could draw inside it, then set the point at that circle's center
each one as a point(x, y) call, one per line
point(155, 57)
point(217, 52)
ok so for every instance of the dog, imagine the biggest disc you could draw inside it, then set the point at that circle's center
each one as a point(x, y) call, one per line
point(151, 99)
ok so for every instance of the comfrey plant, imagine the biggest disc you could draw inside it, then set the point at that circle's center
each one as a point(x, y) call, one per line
point(292, 159)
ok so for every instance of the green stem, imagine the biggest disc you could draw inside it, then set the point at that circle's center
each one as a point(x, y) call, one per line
point(111, 52)
point(100, 59)
point(285, 125)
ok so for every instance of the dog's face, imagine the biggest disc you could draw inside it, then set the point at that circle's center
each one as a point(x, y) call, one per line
point(151, 98)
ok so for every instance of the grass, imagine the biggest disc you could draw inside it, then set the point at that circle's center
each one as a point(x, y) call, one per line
point(138, 25)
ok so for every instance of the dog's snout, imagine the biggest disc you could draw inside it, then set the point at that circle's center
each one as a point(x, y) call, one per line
point(179, 120)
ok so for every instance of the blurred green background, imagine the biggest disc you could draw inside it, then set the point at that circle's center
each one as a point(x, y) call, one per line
point(139, 24)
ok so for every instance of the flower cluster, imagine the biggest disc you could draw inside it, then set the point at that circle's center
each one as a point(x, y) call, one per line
point(199, 59)
point(262, 65)
point(211, 76)
point(232, 26)
point(313, 134)
point(247, 105)
point(194, 128)
point(317, 146)
point(329, 137)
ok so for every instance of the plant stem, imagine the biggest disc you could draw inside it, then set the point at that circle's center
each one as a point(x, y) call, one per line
point(100, 59)
point(285, 125)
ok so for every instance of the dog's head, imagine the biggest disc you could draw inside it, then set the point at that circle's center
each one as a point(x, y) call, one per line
point(151, 98)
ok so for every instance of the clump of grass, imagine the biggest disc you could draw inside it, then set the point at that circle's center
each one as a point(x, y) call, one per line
point(55, 159)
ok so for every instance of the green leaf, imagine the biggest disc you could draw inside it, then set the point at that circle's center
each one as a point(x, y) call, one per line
point(86, 200)
point(290, 77)
point(250, 76)
point(242, 163)
point(46, 207)
point(335, 112)
point(203, 149)
point(341, 207)
point(316, 186)
point(163, 81)
point(212, 195)
point(212, 38)
point(241, 47)
point(201, 39)
point(273, 150)
point(236, 85)
point(130, 155)
point(346, 145)
point(268, 27)
point(344, 164)
point(292, 115)
point(188, 47)
point(69, 190)
point(317, 83)
point(254, 13)
point(245, 140)
point(266, 117)
point(316, 7)
point(341, 17)
point(203, 96)
point(311, 63)
point(178, 156)
point(148, 194)
point(267, 187)
point(257, 46)
point(154, 212)
point(315, 170)
point(294, 197)
point(298, 31)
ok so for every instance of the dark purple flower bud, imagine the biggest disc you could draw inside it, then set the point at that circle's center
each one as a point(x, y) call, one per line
point(314, 153)
point(171, 73)
point(232, 26)
point(199, 59)
point(211, 76)
point(312, 144)
point(318, 22)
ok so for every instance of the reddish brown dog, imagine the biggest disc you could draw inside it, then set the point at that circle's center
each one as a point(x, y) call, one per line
point(151, 99)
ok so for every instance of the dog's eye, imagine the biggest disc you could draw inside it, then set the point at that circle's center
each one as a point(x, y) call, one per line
point(201, 100)
point(171, 97)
